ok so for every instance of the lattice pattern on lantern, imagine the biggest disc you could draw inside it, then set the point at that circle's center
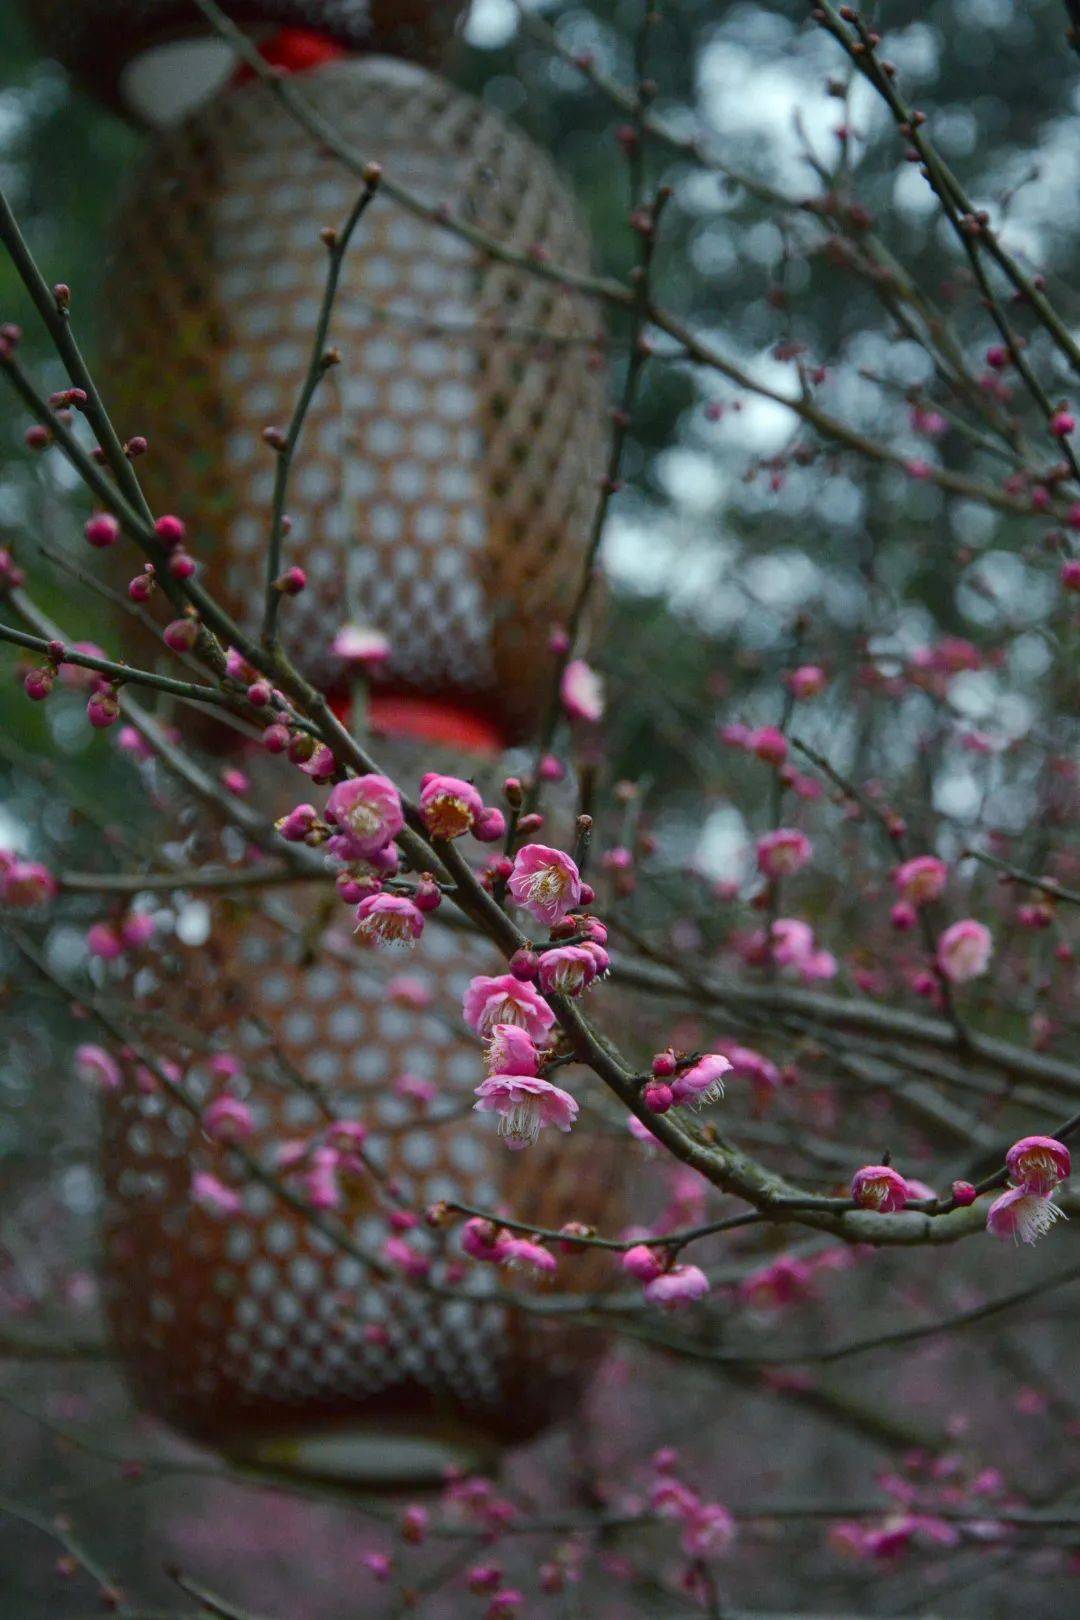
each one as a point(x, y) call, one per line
point(249, 1331)
point(445, 481)
point(97, 40)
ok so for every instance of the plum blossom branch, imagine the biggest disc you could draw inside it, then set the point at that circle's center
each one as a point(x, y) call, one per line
point(322, 360)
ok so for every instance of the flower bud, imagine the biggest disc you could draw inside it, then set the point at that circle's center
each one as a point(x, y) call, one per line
point(103, 708)
point(181, 635)
point(524, 964)
point(657, 1096)
point(169, 529)
point(38, 683)
point(102, 530)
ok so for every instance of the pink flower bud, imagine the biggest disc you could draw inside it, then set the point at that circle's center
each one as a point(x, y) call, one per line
point(38, 683)
point(963, 1193)
point(658, 1096)
point(490, 826)
point(807, 681)
point(428, 895)
point(291, 582)
point(102, 530)
point(298, 824)
point(169, 529)
point(769, 744)
point(1062, 423)
point(275, 739)
point(234, 781)
point(181, 635)
point(414, 1524)
point(103, 708)
point(181, 564)
point(582, 692)
point(524, 964)
point(964, 950)
point(104, 942)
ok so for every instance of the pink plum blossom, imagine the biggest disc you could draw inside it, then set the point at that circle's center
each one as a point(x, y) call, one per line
point(709, 1533)
point(1022, 1216)
point(921, 880)
point(525, 1105)
point(567, 971)
point(450, 807)
point(506, 1000)
point(964, 950)
point(682, 1285)
point(389, 921)
point(783, 852)
point(792, 941)
point(361, 645)
point(807, 681)
point(582, 692)
point(878, 1186)
point(524, 1254)
point(367, 811)
point(511, 1050)
point(703, 1082)
point(1036, 1164)
point(546, 882)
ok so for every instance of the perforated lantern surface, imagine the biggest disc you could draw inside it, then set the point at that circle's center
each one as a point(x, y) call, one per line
point(248, 1331)
point(97, 40)
point(446, 478)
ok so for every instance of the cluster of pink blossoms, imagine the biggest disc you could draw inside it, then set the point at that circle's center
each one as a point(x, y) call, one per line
point(769, 744)
point(362, 818)
point(708, 1530)
point(790, 944)
point(511, 1015)
point(1025, 1211)
point(928, 1492)
point(665, 1283)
